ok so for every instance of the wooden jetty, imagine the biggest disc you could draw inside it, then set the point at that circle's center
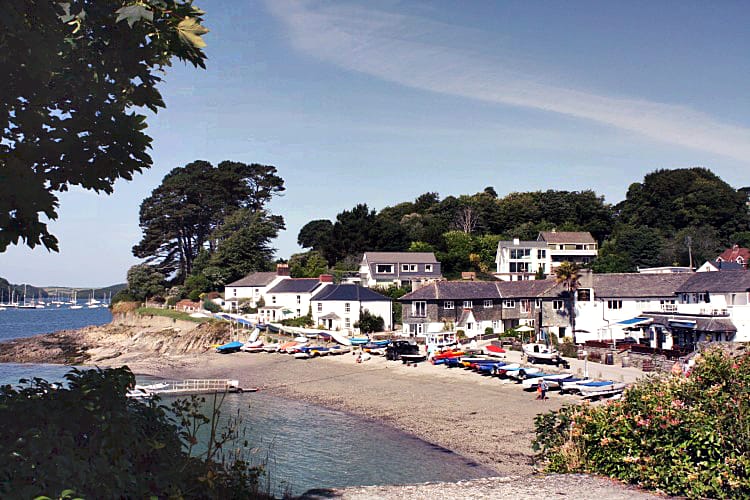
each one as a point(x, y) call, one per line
point(188, 386)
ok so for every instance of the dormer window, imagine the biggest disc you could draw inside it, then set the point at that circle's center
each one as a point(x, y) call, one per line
point(384, 268)
point(428, 268)
point(468, 304)
point(408, 268)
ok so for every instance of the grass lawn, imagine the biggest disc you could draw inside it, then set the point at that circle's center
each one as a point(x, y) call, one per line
point(169, 313)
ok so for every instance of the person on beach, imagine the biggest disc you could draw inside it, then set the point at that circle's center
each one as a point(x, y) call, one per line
point(539, 391)
point(544, 387)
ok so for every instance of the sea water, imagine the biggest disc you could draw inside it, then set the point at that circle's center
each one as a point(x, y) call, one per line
point(303, 446)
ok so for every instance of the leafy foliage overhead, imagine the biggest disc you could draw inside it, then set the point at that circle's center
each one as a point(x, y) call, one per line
point(73, 73)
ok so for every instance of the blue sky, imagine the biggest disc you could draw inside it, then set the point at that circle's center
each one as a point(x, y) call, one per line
point(379, 102)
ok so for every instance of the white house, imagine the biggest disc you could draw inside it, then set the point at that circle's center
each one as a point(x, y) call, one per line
point(569, 246)
point(252, 287)
point(609, 307)
point(290, 297)
point(339, 307)
point(518, 260)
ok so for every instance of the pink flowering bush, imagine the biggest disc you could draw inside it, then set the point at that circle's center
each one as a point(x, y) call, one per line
point(682, 435)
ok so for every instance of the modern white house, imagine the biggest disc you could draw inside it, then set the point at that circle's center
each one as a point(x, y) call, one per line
point(290, 298)
point(518, 260)
point(578, 247)
point(339, 307)
point(252, 287)
point(403, 269)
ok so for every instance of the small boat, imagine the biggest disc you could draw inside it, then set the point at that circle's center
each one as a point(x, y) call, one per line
point(522, 373)
point(252, 346)
point(303, 353)
point(570, 384)
point(541, 353)
point(599, 389)
point(286, 346)
point(318, 350)
point(534, 379)
point(489, 368)
point(502, 370)
point(274, 347)
point(494, 350)
point(447, 354)
point(359, 340)
point(339, 338)
point(338, 349)
point(229, 347)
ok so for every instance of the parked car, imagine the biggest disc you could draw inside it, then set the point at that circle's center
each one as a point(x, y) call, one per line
point(399, 347)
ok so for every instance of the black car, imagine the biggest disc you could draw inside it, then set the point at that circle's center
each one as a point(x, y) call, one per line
point(399, 347)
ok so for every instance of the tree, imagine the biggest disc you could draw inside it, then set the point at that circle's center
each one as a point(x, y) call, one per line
point(73, 74)
point(567, 274)
point(144, 282)
point(307, 265)
point(369, 323)
point(316, 235)
point(183, 215)
point(245, 243)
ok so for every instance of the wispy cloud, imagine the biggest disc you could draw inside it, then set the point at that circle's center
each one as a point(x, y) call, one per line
point(413, 52)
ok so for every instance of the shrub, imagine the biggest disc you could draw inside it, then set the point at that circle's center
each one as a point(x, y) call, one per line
point(93, 441)
point(211, 306)
point(568, 349)
point(682, 435)
point(369, 323)
point(123, 295)
point(460, 334)
point(124, 307)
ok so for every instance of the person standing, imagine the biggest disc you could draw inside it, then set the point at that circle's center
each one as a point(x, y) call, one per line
point(544, 387)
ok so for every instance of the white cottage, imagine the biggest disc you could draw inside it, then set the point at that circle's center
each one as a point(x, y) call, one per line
point(338, 307)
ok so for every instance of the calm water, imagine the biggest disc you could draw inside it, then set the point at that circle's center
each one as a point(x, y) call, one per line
point(308, 446)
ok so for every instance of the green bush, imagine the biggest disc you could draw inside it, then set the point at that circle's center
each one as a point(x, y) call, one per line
point(90, 440)
point(686, 436)
point(211, 306)
point(369, 323)
point(568, 349)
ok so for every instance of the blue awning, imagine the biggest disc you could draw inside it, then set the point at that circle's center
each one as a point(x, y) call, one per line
point(639, 320)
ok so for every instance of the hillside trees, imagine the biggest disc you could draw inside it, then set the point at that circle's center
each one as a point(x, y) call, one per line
point(216, 212)
point(74, 74)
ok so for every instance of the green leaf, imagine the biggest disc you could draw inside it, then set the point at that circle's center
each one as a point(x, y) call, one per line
point(190, 30)
point(133, 14)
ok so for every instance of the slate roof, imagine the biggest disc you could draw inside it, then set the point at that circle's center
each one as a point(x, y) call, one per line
point(724, 265)
point(703, 324)
point(521, 244)
point(400, 257)
point(627, 285)
point(566, 237)
point(480, 314)
point(255, 279)
point(295, 285)
point(455, 290)
point(351, 292)
point(529, 288)
point(717, 282)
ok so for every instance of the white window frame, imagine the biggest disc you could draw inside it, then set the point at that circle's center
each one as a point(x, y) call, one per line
point(525, 305)
point(614, 304)
point(299, 299)
point(428, 268)
point(448, 304)
point(320, 307)
point(558, 304)
point(537, 303)
point(273, 299)
point(468, 304)
point(347, 323)
point(419, 309)
point(347, 307)
point(509, 303)
point(378, 268)
point(488, 304)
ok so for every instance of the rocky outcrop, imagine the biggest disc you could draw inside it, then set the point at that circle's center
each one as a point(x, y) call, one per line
point(127, 336)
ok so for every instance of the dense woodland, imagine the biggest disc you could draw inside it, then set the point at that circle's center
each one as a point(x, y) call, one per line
point(207, 226)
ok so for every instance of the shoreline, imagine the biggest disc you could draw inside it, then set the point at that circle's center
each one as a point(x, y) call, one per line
point(479, 418)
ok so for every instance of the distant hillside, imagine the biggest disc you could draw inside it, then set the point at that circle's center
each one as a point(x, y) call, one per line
point(8, 289)
point(106, 291)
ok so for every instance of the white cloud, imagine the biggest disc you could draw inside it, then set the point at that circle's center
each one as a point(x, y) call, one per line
point(409, 51)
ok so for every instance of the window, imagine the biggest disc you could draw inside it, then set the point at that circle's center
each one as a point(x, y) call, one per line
point(488, 304)
point(614, 304)
point(320, 307)
point(509, 303)
point(234, 292)
point(557, 305)
point(584, 294)
point(419, 309)
point(347, 323)
point(519, 267)
point(299, 299)
point(447, 304)
point(468, 304)
point(384, 268)
point(273, 299)
point(538, 303)
point(428, 268)
point(561, 332)
point(408, 268)
point(520, 253)
point(541, 254)
point(299, 313)
point(525, 305)
point(347, 307)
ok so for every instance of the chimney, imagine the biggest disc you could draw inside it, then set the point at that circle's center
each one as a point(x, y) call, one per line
point(282, 269)
point(516, 241)
point(326, 278)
